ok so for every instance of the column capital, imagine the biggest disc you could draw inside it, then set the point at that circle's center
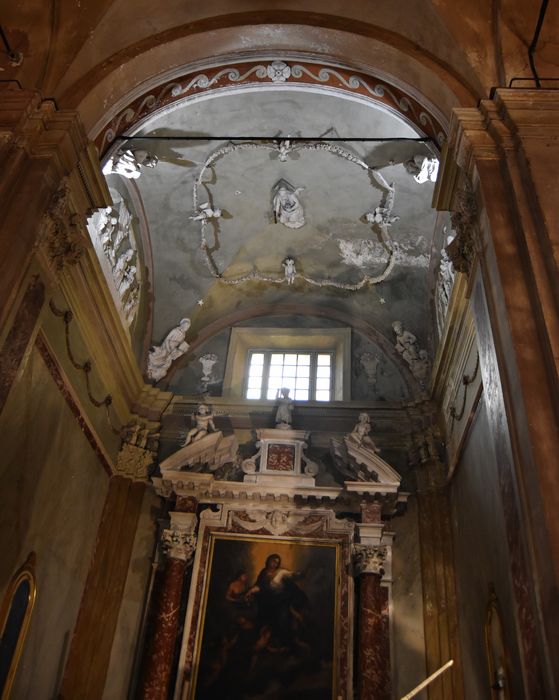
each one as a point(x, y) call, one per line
point(178, 544)
point(369, 559)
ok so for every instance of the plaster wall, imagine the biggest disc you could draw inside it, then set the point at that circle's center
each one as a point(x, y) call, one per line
point(481, 557)
point(53, 491)
point(129, 625)
point(408, 637)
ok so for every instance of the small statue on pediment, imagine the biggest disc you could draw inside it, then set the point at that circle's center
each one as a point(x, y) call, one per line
point(204, 424)
point(360, 433)
point(285, 409)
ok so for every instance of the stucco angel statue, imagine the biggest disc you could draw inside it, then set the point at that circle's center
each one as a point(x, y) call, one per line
point(161, 357)
point(204, 424)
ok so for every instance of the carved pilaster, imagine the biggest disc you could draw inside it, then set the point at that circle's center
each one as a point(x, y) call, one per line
point(369, 559)
point(462, 250)
point(61, 237)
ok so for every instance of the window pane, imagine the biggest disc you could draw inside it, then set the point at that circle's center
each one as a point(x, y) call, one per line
point(301, 395)
point(290, 360)
point(303, 359)
point(271, 394)
point(323, 372)
point(275, 370)
point(304, 384)
point(303, 371)
point(276, 359)
point(254, 383)
point(323, 384)
point(257, 358)
point(323, 359)
point(253, 393)
point(275, 383)
point(323, 396)
point(289, 371)
point(255, 374)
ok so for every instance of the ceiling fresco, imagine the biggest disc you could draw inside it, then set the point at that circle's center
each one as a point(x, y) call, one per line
point(339, 228)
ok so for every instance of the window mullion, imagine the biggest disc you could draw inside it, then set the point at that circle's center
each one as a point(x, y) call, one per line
point(265, 375)
point(312, 382)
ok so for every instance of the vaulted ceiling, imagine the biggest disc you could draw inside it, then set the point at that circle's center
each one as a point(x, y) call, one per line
point(351, 267)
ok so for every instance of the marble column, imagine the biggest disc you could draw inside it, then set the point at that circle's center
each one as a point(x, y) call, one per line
point(373, 624)
point(179, 546)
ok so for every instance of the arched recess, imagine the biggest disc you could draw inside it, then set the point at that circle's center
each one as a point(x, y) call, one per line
point(306, 310)
point(424, 117)
point(104, 89)
point(247, 76)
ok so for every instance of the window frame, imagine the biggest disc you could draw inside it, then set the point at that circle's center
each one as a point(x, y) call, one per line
point(292, 351)
point(243, 340)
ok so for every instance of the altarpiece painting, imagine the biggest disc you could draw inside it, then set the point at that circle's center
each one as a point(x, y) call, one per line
point(268, 620)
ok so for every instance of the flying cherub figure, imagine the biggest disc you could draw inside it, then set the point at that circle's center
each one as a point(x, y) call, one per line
point(205, 213)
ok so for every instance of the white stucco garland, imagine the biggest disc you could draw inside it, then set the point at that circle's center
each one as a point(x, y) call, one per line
point(381, 218)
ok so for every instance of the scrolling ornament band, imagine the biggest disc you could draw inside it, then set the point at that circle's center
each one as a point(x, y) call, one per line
point(279, 73)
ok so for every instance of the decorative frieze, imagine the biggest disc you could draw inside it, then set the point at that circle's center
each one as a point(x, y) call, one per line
point(278, 522)
point(276, 72)
point(112, 231)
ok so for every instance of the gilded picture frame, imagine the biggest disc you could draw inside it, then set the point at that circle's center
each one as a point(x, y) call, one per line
point(15, 616)
point(269, 618)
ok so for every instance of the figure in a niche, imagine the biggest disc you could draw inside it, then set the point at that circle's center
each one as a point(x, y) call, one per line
point(288, 210)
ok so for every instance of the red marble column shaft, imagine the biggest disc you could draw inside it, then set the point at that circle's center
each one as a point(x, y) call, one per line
point(160, 649)
point(374, 640)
